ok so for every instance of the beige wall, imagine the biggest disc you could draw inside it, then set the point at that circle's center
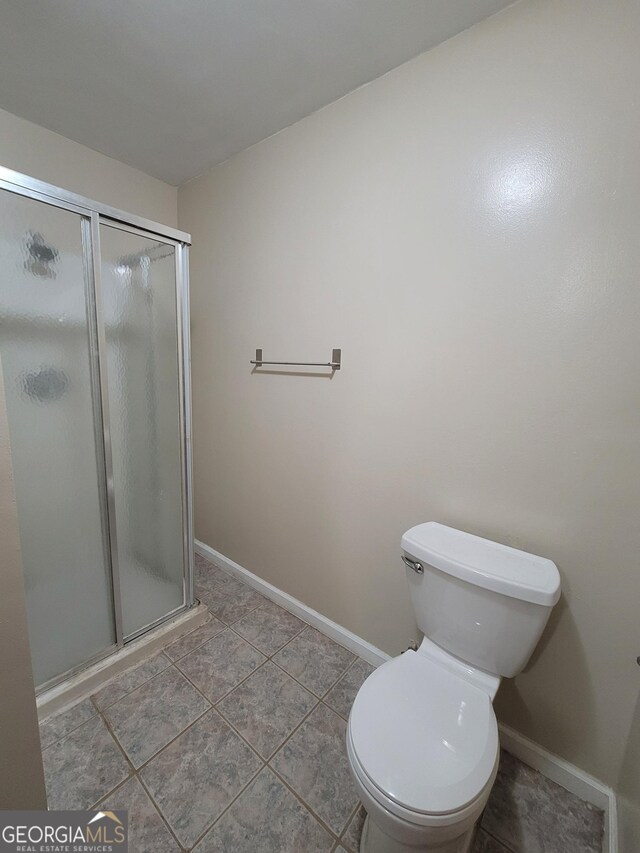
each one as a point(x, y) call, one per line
point(629, 789)
point(42, 154)
point(466, 229)
point(22, 778)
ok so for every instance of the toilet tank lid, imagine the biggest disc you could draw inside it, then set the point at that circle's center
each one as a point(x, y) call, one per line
point(484, 563)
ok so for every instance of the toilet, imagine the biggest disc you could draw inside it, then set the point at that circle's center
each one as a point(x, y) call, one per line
point(422, 737)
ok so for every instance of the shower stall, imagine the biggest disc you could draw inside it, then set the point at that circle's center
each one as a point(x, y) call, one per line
point(94, 349)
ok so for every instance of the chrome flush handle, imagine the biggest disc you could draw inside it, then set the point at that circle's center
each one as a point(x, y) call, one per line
point(417, 567)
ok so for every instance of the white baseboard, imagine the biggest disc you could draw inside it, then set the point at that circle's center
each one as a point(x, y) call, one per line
point(552, 766)
point(341, 635)
point(567, 775)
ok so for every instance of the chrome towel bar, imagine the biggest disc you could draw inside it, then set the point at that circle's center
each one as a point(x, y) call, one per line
point(334, 364)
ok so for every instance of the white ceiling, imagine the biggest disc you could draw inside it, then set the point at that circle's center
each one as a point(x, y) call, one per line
point(176, 86)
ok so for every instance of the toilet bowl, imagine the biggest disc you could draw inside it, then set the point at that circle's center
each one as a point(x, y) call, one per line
point(423, 747)
point(422, 736)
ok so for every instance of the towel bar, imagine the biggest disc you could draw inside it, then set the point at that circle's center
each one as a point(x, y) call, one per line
point(334, 364)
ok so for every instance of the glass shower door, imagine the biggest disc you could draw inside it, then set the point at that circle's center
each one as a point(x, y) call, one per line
point(47, 350)
point(141, 322)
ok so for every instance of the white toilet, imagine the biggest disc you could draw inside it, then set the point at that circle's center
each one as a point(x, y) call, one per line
point(422, 738)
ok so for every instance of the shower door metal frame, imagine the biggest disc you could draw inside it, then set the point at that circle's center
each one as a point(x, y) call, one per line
point(93, 214)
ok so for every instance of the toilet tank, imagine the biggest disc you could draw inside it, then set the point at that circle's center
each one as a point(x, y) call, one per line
point(483, 602)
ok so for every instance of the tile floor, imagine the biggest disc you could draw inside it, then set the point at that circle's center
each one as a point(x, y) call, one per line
point(232, 740)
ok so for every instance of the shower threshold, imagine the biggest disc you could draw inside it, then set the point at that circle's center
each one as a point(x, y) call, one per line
point(90, 679)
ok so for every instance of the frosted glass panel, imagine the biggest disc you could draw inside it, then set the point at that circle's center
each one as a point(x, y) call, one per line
point(139, 301)
point(44, 348)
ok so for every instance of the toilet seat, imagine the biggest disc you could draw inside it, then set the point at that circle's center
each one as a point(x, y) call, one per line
point(422, 740)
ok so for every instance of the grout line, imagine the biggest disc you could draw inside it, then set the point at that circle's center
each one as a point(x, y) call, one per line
point(242, 738)
point(108, 727)
point(70, 732)
point(299, 634)
point(286, 642)
point(220, 588)
point(117, 742)
point(308, 689)
point(228, 806)
point(153, 803)
point(162, 817)
point(130, 692)
point(287, 738)
point(132, 769)
point(215, 702)
point(257, 648)
point(184, 731)
point(233, 621)
point(326, 705)
point(156, 653)
point(204, 642)
point(340, 677)
point(311, 627)
point(111, 791)
point(506, 847)
point(267, 660)
point(306, 805)
point(348, 824)
point(168, 743)
point(351, 665)
point(234, 688)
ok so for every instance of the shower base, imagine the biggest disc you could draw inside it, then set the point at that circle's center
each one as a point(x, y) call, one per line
point(89, 680)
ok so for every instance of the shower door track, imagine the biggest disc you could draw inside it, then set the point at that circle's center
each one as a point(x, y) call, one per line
point(93, 214)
